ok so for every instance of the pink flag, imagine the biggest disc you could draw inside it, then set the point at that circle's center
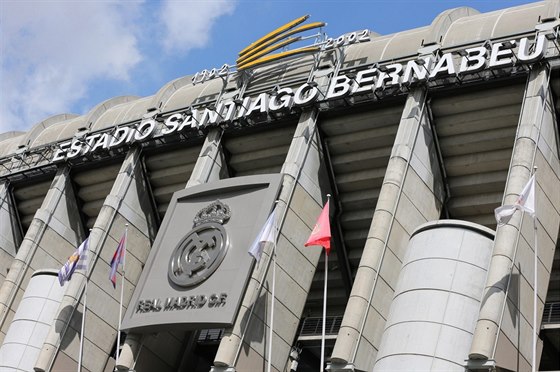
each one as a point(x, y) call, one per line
point(321, 234)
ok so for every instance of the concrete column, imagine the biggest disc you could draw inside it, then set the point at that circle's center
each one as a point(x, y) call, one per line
point(53, 235)
point(10, 232)
point(210, 166)
point(127, 203)
point(244, 346)
point(503, 330)
point(411, 195)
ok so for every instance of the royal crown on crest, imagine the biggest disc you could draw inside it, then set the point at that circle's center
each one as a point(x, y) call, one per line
point(217, 212)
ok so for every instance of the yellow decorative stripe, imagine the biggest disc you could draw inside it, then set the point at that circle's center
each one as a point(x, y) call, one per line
point(274, 57)
point(303, 28)
point(251, 57)
point(274, 33)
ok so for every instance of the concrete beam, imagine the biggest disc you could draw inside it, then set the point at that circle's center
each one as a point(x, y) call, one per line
point(10, 232)
point(535, 145)
point(411, 195)
point(54, 233)
point(127, 203)
point(209, 166)
point(244, 347)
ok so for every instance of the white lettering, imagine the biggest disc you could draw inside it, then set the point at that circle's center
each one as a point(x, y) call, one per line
point(259, 104)
point(417, 71)
point(474, 60)
point(172, 123)
point(282, 100)
point(61, 151)
point(145, 130)
point(305, 94)
point(538, 52)
point(339, 87)
point(390, 76)
point(365, 81)
point(119, 136)
point(501, 56)
point(444, 65)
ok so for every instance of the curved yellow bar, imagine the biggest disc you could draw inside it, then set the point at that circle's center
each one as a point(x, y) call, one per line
point(274, 33)
point(303, 28)
point(274, 57)
point(251, 57)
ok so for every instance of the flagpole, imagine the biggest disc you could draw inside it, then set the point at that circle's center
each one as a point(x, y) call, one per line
point(80, 354)
point(322, 366)
point(272, 308)
point(535, 280)
point(324, 312)
point(122, 292)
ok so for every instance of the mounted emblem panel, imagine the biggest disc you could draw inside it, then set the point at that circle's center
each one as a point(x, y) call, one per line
point(202, 250)
point(199, 267)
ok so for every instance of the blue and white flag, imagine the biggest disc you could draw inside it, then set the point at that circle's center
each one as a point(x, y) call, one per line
point(78, 260)
point(266, 235)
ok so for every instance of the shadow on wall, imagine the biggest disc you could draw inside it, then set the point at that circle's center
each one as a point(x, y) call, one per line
point(60, 326)
point(257, 332)
point(511, 280)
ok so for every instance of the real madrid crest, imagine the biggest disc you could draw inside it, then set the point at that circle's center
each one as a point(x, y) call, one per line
point(201, 251)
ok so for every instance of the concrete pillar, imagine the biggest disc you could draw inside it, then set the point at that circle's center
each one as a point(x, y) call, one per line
point(410, 196)
point(210, 166)
point(127, 203)
point(503, 330)
point(53, 235)
point(10, 232)
point(244, 346)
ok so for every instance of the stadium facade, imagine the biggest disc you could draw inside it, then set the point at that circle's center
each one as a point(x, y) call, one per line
point(418, 136)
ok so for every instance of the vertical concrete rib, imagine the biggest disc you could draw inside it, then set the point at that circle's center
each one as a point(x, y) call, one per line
point(243, 347)
point(128, 202)
point(509, 285)
point(50, 239)
point(10, 232)
point(210, 166)
point(410, 196)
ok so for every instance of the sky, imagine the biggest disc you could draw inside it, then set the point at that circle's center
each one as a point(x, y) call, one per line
point(69, 56)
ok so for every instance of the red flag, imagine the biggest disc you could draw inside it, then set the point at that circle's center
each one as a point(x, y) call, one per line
point(321, 234)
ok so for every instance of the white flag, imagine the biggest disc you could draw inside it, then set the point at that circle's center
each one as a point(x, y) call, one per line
point(525, 201)
point(266, 235)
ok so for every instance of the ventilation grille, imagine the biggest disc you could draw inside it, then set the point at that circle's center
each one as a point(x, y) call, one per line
point(313, 326)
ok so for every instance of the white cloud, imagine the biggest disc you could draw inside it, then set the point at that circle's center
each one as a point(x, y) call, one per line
point(52, 50)
point(53, 53)
point(187, 24)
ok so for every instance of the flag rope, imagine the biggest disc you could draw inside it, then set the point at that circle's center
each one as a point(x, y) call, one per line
point(82, 329)
point(121, 298)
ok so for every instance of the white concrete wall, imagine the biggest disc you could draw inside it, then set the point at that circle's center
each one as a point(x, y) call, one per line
point(436, 300)
point(31, 323)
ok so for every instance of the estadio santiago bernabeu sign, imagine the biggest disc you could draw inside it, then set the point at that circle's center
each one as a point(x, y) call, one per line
point(369, 80)
point(199, 266)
